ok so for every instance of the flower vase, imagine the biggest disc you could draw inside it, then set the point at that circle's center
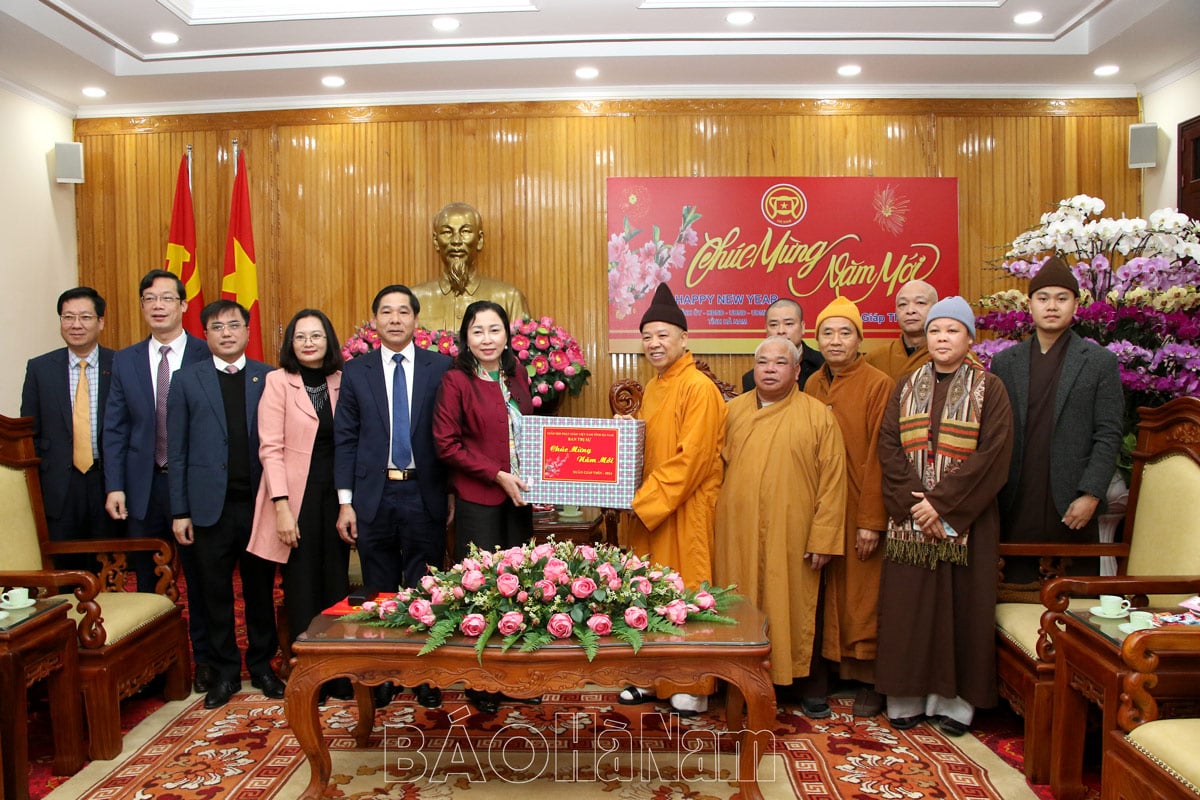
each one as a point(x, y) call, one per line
point(549, 406)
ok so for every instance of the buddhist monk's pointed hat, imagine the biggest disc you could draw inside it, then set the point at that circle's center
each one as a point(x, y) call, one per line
point(841, 307)
point(663, 308)
point(1054, 272)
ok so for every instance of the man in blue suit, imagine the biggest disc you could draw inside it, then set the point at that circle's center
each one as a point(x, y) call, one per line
point(67, 407)
point(213, 471)
point(135, 440)
point(391, 486)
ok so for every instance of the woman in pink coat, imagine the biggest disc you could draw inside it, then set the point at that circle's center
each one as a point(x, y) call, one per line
point(296, 513)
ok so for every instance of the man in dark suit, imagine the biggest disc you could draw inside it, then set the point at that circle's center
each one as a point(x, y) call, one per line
point(135, 440)
point(391, 486)
point(1068, 410)
point(64, 392)
point(213, 472)
point(785, 318)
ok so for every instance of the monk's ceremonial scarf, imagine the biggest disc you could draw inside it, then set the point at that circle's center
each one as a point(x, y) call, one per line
point(958, 438)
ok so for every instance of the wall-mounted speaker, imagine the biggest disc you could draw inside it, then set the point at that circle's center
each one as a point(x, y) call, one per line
point(68, 162)
point(1143, 145)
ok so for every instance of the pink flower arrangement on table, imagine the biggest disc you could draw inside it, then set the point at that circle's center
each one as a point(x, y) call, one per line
point(551, 356)
point(541, 593)
point(633, 273)
point(365, 339)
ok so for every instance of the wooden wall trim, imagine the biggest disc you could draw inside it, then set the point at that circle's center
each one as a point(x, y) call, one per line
point(998, 107)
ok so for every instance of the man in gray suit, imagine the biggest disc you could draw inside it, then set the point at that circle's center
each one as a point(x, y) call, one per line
point(214, 472)
point(1067, 423)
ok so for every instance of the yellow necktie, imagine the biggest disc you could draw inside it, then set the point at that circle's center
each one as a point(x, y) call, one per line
point(81, 418)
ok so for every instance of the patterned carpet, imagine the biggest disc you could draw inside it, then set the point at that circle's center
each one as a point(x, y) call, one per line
point(246, 751)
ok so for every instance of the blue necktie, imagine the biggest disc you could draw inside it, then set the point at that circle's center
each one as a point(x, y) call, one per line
point(401, 444)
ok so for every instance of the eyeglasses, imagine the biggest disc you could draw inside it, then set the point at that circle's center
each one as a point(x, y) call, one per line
point(165, 299)
point(221, 327)
point(71, 319)
point(315, 338)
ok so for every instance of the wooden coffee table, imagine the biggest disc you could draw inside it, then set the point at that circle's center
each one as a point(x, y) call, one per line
point(36, 643)
point(737, 654)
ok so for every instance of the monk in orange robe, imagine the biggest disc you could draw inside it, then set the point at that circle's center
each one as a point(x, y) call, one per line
point(902, 356)
point(674, 507)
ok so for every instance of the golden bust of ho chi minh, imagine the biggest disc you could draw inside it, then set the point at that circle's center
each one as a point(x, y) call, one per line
point(458, 237)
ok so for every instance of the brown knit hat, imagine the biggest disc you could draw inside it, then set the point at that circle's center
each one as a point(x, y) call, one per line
point(1054, 272)
point(663, 308)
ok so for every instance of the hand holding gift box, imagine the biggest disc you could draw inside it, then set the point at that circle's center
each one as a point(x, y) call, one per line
point(576, 461)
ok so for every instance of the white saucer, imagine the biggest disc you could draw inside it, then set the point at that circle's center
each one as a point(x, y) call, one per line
point(3, 614)
point(1127, 627)
point(1097, 611)
point(18, 606)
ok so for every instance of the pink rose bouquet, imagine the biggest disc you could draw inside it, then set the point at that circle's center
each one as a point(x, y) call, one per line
point(551, 356)
point(553, 591)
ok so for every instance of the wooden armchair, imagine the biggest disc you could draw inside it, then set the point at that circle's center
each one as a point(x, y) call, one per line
point(1160, 533)
point(1149, 756)
point(125, 638)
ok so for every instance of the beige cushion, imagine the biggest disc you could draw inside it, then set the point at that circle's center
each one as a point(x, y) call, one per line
point(124, 613)
point(1166, 527)
point(1171, 743)
point(1020, 622)
point(21, 552)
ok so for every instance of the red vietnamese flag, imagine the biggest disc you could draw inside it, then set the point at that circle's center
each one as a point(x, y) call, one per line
point(181, 250)
point(240, 281)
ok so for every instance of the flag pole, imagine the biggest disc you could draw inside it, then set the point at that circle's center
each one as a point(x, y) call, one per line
point(189, 160)
point(235, 155)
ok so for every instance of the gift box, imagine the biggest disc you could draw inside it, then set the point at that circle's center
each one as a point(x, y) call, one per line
point(577, 461)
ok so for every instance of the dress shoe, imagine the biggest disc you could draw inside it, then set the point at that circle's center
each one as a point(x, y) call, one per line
point(269, 684)
point(340, 689)
point(484, 702)
point(220, 693)
point(203, 678)
point(867, 702)
point(383, 693)
point(952, 727)
point(428, 696)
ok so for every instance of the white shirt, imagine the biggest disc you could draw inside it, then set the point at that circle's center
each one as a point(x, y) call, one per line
point(92, 360)
point(221, 363)
point(389, 373)
point(174, 358)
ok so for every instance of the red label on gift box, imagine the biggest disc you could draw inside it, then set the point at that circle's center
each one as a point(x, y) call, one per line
point(579, 454)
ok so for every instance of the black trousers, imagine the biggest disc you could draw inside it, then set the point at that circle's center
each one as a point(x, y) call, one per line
point(82, 517)
point(403, 539)
point(157, 525)
point(505, 525)
point(219, 549)
point(317, 572)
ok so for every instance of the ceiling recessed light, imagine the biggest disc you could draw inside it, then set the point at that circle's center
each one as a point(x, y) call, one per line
point(1028, 18)
point(1106, 70)
point(587, 73)
point(739, 18)
point(445, 24)
point(165, 37)
point(849, 70)
point(333, 81)
point(93, 91)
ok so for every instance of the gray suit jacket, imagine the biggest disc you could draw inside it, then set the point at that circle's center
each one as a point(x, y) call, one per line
point(1089, 413)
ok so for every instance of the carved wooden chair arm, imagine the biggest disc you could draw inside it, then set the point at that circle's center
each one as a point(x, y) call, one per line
point(1140, 652)
point(112, 569)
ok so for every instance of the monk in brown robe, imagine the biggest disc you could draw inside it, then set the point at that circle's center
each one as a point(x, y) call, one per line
point(901, 356)
point(779, 515)
point(944, 445)
point(857, 393)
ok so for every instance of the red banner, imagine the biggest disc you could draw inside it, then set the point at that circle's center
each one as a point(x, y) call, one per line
point(181, 249)
point(729, 247)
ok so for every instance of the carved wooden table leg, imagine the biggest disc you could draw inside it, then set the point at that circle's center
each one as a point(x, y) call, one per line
point(304, 718)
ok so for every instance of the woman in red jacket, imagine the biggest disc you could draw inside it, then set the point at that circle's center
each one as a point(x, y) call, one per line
point(475, 426)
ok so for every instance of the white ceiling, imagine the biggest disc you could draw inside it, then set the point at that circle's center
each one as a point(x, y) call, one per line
point(267, 54)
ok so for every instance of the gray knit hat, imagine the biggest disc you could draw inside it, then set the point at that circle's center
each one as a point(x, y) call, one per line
point(955, 308)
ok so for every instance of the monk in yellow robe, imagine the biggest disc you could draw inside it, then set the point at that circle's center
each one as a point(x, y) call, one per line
point(780, 512)
point(858, 395)
point(902, 356)
point(673, 508)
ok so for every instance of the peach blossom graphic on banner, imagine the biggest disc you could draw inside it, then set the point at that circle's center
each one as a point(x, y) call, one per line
point(632, 274)
point(891, 210)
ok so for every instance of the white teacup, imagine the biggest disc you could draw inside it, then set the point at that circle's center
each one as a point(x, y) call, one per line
point(16, 596)
point(1140, 620)
point(1112, 604)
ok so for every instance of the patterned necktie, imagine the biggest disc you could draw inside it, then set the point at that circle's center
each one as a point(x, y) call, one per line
point(81, 418)
point(231, 369)
point(163, 379)
point(401, 441)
